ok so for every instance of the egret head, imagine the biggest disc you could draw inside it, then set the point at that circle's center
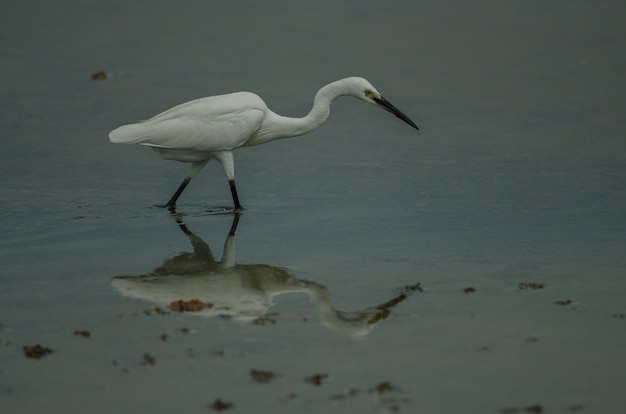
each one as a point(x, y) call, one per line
point(364, 90)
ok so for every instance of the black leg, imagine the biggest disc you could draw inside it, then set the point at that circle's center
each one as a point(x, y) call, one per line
point(195, 168)
point(172, 203)
point(233, 191)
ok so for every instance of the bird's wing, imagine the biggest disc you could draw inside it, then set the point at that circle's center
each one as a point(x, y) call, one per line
point(191, 132)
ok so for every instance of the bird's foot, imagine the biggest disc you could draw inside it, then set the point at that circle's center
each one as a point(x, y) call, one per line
point(170, 207)
point(210, 210)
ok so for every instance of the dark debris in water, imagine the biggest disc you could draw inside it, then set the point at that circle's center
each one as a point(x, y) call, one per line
point(383, 388)
point(99, 75)
point(469, 290)
point(220, 405)
point(316, 379)
point(536, 408)
point(263, 376)
point(389, 395)
point(84, 333)
point(530, 285)
point(36, 351)
point(193, 305)
point(148, 360)
point(266, 319)
point(157, 310)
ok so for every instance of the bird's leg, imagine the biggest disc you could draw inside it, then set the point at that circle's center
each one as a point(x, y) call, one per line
point(172, 203)
point(195, 168)
point(226, 160)
point(233, 191)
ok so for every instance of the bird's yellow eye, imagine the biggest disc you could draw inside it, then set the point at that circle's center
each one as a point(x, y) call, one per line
point(371, 95)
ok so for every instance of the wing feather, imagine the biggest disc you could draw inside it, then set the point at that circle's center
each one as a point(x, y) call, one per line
point(218, 123)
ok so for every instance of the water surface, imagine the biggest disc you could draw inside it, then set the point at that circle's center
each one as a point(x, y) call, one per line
point(475, 266)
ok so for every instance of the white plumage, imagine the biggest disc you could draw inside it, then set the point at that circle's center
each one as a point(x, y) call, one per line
point(213, 127)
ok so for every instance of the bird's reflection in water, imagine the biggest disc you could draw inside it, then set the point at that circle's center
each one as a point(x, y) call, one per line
point(242, 292)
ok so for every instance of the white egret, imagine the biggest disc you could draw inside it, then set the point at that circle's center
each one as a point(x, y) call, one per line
point(213, 127)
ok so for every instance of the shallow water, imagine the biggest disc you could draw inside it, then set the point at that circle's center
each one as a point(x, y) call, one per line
point(475, 266)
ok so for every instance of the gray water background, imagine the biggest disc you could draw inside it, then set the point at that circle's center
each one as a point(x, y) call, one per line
point(517, 175)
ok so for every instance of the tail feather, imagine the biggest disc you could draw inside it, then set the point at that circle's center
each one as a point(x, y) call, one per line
point(128, 134)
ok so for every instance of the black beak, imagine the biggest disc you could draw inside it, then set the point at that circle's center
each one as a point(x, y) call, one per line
point(392, 109)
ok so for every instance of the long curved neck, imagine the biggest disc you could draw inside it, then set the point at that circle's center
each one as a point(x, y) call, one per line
point(290, 127)
point(321, 106)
